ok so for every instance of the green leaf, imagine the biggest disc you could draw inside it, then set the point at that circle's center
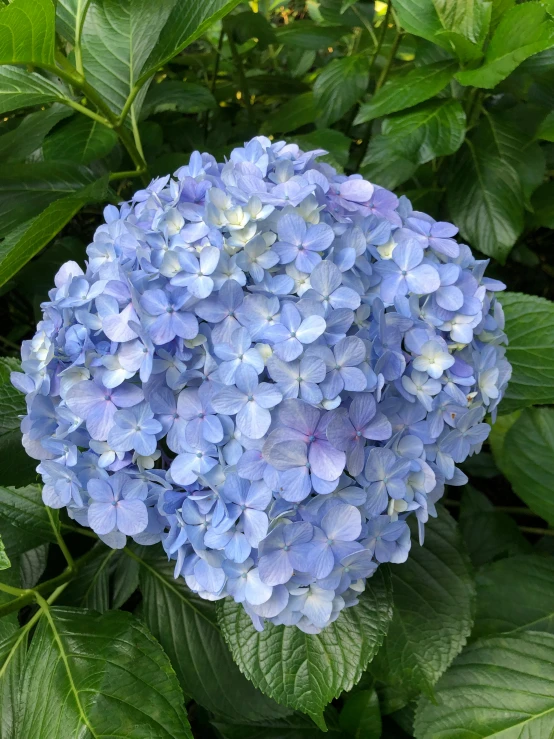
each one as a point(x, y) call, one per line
point(18, 248)
point(22, 89)
point(339, 86)
point(186, 626)
point(486, 201)
point(92, 588)
point(125, 580)
point(23, 509)
point(360, 716)
point(515, 594)
point(4, 559)
point(432, 617)
point(118, 36)
point(524, 30)
point(81, 140)
point(296, 727)
point(420, 18)
point(469, 19)
point(407, 90)
point(433, 130)
point(498, 687)
point(187, 22)
point(32, 565)
point(304, 34)
point(546, 128)
point(528, 459)
point(16, 468)
point(513, 143)
point(543, 205)
point(177, 96)
point(13, 649)
point(498, 435)
point(293, 114)
point(335, 142)
point(386, 163)
point(27, 32)
point(21, 142)
point(488, 534)
point(27, 189)
point(306, 671)
point(106, 676)
point(530, 331)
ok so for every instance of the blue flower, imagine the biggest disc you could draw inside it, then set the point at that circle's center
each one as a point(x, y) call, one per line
point(268, 367)
point(118, 505)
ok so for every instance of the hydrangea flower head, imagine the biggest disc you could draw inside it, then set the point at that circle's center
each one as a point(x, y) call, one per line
point(266, 367)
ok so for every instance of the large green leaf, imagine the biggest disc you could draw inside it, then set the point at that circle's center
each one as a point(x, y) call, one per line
point(27, 189)
point(296, 727)
point(187, 21)
point(186, 627)
point(21, 89)
point(515, 594)
point(23, 509)
point(13, 649)
point(118, 36)
point(387, 162)
point(295, 113)
point(498, 687)
point(360, 717)
point(513, 143)
point(433, 608)
point(21, 142)
point(470, 19)
point(16, 468)
point(177, 96)
point(407, 90)
point(528, 459)
point(420, 17)
point(524, 30)
point(433, 130)
point(81, 140)
point(485, 200)
point(339, 86)
point(32, 565)
point(304, 34)
point(27, 32)
point(530, 330)
point(306, 671)
point(4, 559)
point(488, 534)
point(18, 248)
point(90, 675)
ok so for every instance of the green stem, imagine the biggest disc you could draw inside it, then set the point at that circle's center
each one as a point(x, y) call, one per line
point(385, 73)
point(128, 103)
point(78, 35)
point(20, 592)
point(125, 175)
point(87, 111)
point(72, 77)
point(59, 539)
point(26, 597)
point(382, 34)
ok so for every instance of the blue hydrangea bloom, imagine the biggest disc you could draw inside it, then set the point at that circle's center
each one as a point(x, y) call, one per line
point(267, 367)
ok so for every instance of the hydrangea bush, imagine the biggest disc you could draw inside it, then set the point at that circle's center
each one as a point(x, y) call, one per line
point(267, 367)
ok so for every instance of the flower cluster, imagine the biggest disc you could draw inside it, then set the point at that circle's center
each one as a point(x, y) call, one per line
point(267, 366)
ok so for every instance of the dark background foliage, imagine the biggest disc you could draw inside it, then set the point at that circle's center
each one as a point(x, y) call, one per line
point(450, 102)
